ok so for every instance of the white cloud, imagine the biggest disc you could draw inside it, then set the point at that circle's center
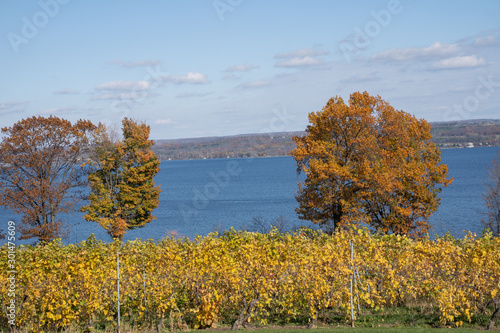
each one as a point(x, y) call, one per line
point(436, 50)
point(130, 96)
point(93, 111)
point(301, 58)
point(310, 52)
point(230, 76)
point(13, 107)
point(485, 41)
point(191, 77)
point(459, 62)
point(188, 94)
point(362, 78)
point(230, 110)
point(241, 68)
point(301, 62)
point(63, 110)
point(124, 85)
point(167, 121)
point(254, 84)
point(67, 92)
point(133, 64)
point(115, 62)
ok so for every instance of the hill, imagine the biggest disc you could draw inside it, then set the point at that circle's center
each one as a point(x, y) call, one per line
point(452, 134)
point(456, 134)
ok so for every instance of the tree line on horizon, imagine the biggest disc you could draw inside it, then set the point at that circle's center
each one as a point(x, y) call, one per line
point(364, 161)
point(455, 134)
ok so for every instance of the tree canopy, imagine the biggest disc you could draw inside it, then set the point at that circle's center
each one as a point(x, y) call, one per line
point(123, 193)
point(366, 162)
point(40, 171)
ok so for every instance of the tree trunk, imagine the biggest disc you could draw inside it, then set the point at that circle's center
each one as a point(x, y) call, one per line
point(314, 321)
point(160, 323)
point(494, 317)
point(245, 313)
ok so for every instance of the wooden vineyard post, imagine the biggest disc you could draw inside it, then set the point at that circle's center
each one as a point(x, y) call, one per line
point(144, 287)
point(118, 286)
point(352, 277)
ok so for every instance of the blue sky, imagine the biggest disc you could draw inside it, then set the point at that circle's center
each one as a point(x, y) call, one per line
point(225, 67)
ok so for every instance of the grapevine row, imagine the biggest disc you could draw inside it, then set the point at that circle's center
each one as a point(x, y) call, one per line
point(247, 276)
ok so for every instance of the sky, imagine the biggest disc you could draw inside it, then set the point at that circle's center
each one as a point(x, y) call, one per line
point(224, 67)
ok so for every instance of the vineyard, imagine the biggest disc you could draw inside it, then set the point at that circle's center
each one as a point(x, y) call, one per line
point(240, 277)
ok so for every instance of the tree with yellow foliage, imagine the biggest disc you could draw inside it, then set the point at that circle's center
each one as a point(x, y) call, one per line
point(123, 193)
point(367, 162)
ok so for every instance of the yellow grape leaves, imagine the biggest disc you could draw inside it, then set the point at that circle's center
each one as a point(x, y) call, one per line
point(251, 275)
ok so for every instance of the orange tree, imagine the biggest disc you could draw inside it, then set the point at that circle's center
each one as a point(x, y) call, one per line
point(123, 193)
point(367, 162)
point(40, 171)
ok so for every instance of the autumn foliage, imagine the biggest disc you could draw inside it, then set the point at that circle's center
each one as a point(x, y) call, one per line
point(367, 162)
point(123, 192)
point(242, 277)
point(40, 172)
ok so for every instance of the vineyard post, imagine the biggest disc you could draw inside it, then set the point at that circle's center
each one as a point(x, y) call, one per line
point(369, 292)
point(358, 283)
point(352, 277)
point(118, 286)
point(144, 284)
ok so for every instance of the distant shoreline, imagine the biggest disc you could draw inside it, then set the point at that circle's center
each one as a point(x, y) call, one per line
point(243, 158)
point(226, 158)
point(446, 135)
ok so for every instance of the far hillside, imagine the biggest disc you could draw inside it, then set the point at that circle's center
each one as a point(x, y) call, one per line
point(456, 134)
point(452, 134)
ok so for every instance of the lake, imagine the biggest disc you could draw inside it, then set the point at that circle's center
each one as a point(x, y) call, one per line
point(200, 196)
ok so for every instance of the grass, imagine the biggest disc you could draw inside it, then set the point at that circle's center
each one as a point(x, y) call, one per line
point(370, 329)
point(416, 318)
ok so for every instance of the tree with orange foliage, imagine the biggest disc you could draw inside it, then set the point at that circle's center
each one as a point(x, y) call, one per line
point(40, 172)
point(123, 192)
point(366, 162)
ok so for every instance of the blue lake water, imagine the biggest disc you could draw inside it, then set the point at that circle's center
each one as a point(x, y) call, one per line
point(200, 196)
